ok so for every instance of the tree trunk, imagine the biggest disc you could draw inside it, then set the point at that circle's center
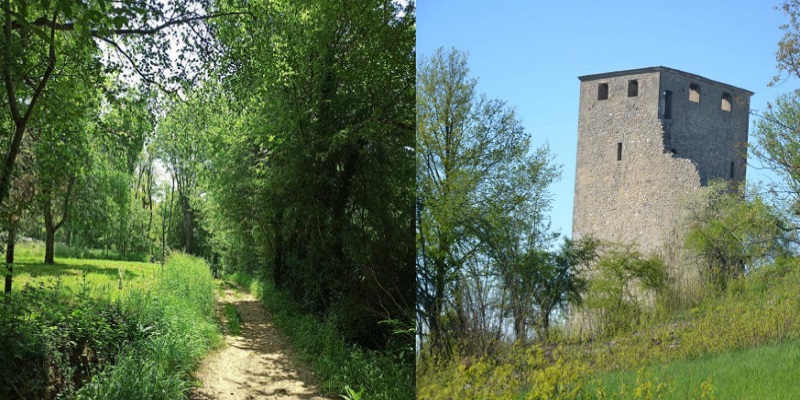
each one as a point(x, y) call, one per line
point(49, 244)
point(13, 222)
point(19, 117)
point(519, 319)
point(50, 225)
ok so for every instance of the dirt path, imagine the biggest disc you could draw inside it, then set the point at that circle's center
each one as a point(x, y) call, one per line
point(257, 364)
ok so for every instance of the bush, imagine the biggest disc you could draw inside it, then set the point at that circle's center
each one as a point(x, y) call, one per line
point(51, 343)
point(518, 372)
point(734, 232)
point(625, 287)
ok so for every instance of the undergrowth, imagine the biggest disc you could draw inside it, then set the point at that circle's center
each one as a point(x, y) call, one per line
point(142, 345)
point(345, 370)
point(754, 311)
point(232, 318)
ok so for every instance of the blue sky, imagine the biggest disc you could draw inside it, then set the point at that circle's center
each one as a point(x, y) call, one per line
point(530, 53)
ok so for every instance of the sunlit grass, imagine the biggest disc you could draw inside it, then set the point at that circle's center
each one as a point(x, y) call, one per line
point(755, 373)
point(232, 318)
point(97, 278)
point(740, 343)
point(146, 338)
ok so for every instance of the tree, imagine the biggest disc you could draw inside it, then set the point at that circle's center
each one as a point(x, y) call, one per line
point(553, 279)
point(310, 160)
point(733, 232)
point(42, 36)
point(619, 289)
point(62, 134)
point(481, 196)
point(776, 132)
point(180, 143)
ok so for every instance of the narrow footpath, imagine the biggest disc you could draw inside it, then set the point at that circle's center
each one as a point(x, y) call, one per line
point(256, 364)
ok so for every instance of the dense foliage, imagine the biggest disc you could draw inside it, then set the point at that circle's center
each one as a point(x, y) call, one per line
point(303, 155)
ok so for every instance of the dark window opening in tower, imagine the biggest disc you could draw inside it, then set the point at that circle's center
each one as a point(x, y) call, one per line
point(732, 164)
point(619, 151)
point(667, 104)
point(633, 88)
point(602, 91)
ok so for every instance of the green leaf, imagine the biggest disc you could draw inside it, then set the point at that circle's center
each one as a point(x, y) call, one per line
point(120, 21)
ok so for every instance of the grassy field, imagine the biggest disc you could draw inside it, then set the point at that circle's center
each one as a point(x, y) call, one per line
point(99, 278)
point(765, 372)
point(68, 330)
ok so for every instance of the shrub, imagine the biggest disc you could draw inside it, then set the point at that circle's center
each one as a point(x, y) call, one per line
point(626, 283)
point(733, 232)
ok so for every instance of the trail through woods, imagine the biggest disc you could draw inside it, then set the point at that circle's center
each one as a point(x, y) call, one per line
point(256, 364)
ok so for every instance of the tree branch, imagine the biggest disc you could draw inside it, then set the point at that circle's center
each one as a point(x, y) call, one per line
point(65, 210)
point(9, 82)
point(136, 67)
point(70, 26)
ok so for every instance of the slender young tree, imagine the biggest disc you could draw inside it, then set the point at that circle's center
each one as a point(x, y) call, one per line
point(482, 196)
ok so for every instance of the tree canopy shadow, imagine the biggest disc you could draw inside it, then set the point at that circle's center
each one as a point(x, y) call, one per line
point(41, 270)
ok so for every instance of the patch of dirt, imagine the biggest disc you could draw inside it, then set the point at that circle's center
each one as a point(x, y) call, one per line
point(256, 364)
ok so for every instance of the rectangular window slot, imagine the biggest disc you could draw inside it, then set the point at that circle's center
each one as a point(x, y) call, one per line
point(619, 151)
point(633, 88)
point(602, 91)
point(726, 102)
point(694, 93)
point(732, 169)
point(667, 104)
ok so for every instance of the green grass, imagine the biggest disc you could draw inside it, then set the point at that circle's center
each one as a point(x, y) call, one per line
point(232, 318)
point(76, 334)
point(35, 249)
point(99, 278)
point(756, 373)
point(720, 347)
point(338, 365)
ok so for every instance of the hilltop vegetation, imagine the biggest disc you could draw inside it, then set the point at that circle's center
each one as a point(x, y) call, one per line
point(681, 354)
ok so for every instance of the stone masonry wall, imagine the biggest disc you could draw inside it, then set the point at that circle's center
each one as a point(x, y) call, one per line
point(632, 199)
point(633, 195)
point(639, 157)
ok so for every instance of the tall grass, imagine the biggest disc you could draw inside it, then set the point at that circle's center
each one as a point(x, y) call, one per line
point(340, 366)
point(68, 330)
point(176, 323)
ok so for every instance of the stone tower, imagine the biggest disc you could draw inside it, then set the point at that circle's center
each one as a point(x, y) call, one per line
point(645, 138)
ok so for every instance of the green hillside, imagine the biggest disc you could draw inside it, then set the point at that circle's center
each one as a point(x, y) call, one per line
point(743, 342)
